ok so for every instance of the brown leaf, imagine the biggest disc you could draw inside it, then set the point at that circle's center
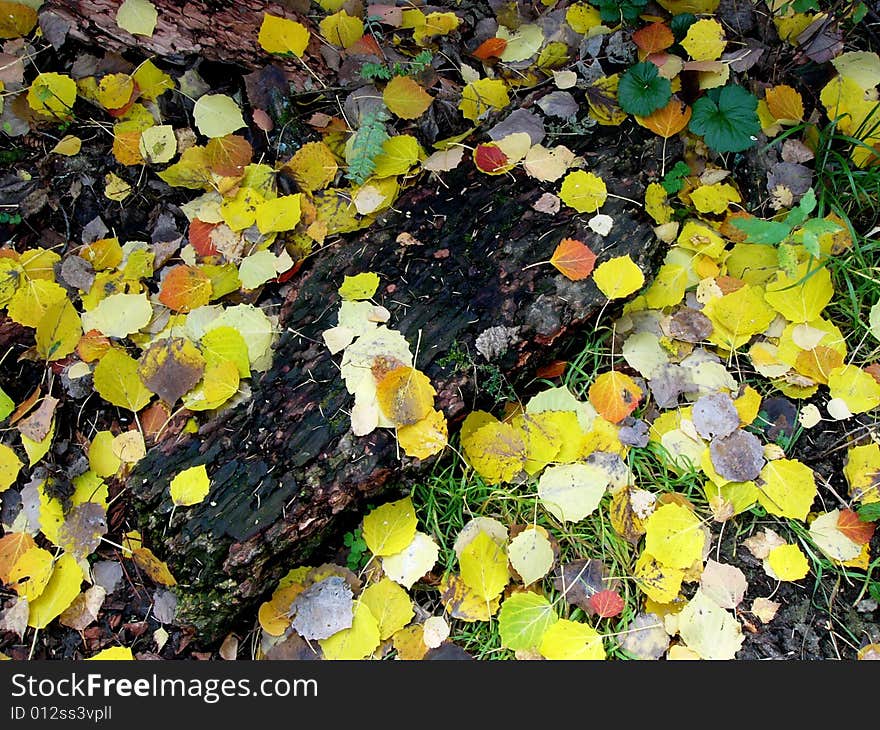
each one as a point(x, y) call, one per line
point(36, 426)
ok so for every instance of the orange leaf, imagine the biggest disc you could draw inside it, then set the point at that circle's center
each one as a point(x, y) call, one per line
point(849, 524)
point(184, 288)
point(126, 148)
point(668, 120)
point(785, 104)
point(12, 547)
point(614, 395)
point(653, 38)
point(553, 370)
point(227, 156)
point(873, 370)
point(573, 259)
point(200, 237)
point(490, 48)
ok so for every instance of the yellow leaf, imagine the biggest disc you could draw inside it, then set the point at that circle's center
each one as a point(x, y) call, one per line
point(495, 450)
point(36, 450)
point(861, 470)
point(313, 166)
point(788, 563)
point(737, 316)
point(115, 188)
point(863, 67)
point(405, 396)
point(603, 101)
point(618, 277)
point(463, 603)
point(424, 438)
point(52, 95)
point(217, 115)
point(240, 211)
point(359, 286)
point(69, 145)
point(522, 43)
point(668, 287)
point(582, 17)
point(32, 299)
point(357, 642)
point(855, 387)
point(531, 554)
point(151, 80)
point(661, 583)
point(16, 19)
point(435, 24)
point(583, 191)
point(138, 17)
point(58, 594)
point(390, 528)
point(787, 488)
point(119, 315)
point(226, 343)
point(484, 567)
point(190, 486)
point(409, 643)
point(571, 492)
point(405, 98)
point(156, 569)
point(480, 96)
point(114, 90)
point(30, 573)
point(280, 35)
point(342, 29)
point(656, 205)
point(158, 144)
point(118, 382)
point(58, 330)
point(674, 536)
point(280, 214)
point(398, 155)
point(569, 640)
point(10, 465)
point(414, 561)
point(714, 198)
point(705, 40)
point(114, 653)
point(804, 301)
point(390, 605)
point(785, 104)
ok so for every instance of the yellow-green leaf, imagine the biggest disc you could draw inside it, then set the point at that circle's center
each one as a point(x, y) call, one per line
point(568, 640)
point(524, 620)
point(484, 567)
point(390, 605)
point(390, 528)
point(787, 488)
point(58, 594)
point(359, 286)
point(618, 277)
point(583, 191)
point(674, 536)
point(190, 486)
point(118, 382)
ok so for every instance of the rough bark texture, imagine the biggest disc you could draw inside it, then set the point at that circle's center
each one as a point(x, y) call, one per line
point(217, 30)
point(284, 466)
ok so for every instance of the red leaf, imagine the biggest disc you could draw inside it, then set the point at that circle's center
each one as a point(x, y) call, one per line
point(490, 48)
point(489, 158)
point(366, 45)
point(553, 370)
point(849, 524)
point(200, 237)
point(573, 259)
point(606, 603)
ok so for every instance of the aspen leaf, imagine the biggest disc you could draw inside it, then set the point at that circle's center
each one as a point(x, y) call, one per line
point(571, 492)
point(260, 267)
point(787, 488)
point(399, 154)
point(388, 529)
point(156, 569)
point(279, 214)
point(190, 486)
point(185, 288)
point(138, 17)
point(405, 98)
point(496, 451)
point(737, 316)
point(673, 536)
point(37, 449)
point(425, 437)
point(524, 620)
point(491, 159)
point(360, 286)
point(462, 603)
point(151, 80)
point(16, 19)
point(10, 465)
point(653, 38)
point(58, 330)
point(573, 259)
point(115, 188)
point(217, 115)
point(788, 563)
point(281, 35)
point(226, 343)
point(480, 96)
point(414, 561)
point(661, 583)
point(530, 555)
point(802, 298)
point(851, 525)
point(668, 120)
point(59, 593)
point(546, 164)
point(52, 94)
point(484, 567)
point(68, 146)
point(831, 540)
point(13, 546)
point(129, 447)
point(357, 642)
point(785, 104)
point(522, 43)
point(708, 629)
point(390, 605)
point(606, 604)
point(614, 395)
point(618, 277)
point(705, 40)
point(114, 653)
point(158, 144)
point(405, 395)
point(855, 387)
point(342, 29)
point(118, 382)
point(583, 191)
point(115, 90)
point(571, 640)
point(715, 198)
point(119, 315)
point(29, 574)
point(228, 156)
point(29, 304)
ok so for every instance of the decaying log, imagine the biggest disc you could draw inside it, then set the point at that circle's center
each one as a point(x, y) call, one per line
point(285, 466)
point(217, 30)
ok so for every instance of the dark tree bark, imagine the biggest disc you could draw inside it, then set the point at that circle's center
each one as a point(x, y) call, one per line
point(285, 466)
point(217, 30)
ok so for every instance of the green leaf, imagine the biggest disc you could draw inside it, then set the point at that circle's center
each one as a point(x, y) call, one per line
point(680, 25)
point(726, 118)
point(613, 11)
point(813, 229)
point(761, 231)
point(642, 90)
point(365, 145)
point(869, 512)
point(523, 619)
point(673, 181)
